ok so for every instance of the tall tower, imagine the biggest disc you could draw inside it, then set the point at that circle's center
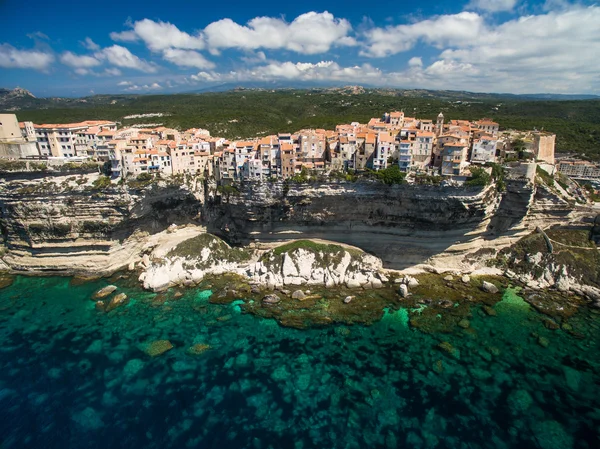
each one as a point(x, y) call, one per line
point(439, 124)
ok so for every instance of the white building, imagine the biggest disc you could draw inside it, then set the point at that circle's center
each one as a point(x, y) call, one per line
point(484, 150)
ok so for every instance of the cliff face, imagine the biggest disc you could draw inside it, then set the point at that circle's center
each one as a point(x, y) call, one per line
point(403, 225)
point(65, 225)
point(85, 231)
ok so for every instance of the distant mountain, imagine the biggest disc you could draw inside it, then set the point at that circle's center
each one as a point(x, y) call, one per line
point(13, 99)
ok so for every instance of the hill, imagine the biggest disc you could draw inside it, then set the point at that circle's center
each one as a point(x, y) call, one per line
point(246, 112)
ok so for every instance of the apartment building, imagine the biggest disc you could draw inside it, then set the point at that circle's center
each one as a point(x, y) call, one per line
point(454, 159)
point(579, 169)
point(484, 150)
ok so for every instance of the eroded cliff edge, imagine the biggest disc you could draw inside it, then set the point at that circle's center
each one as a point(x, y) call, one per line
point(68, 226)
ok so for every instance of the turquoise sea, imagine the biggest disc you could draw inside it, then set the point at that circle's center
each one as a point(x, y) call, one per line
point(75, 377)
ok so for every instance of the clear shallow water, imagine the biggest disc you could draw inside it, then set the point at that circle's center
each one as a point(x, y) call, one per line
point(73, 377)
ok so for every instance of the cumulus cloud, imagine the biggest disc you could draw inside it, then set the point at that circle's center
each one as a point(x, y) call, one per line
point(12, 58)
point(187, 58)
point(90, 44)
point(122, 57)
point(309, 33)
point(548, 52)
point(455, 29)
point(124, 36)
point(492, 5)
point(146, 87)
point(300, 71)
point(415, 62)
point(78, 61)
point(163, 35)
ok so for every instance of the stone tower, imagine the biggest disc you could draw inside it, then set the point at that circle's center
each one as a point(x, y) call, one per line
point(439, 124)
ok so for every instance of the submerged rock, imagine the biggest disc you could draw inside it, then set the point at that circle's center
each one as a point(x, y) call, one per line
point(449, 349)
point(551, 435)
point(519, 401)
point(488, 287)
point(104, 292)
point(448, 278)
point(348, 299)
point(116, 301)
point(158, 347)
point(466, 279)
point(464, 323)
point(198, 348)
point(543, 342)
point(490, 311)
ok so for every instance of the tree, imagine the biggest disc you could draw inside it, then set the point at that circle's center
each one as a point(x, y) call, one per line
point(391, 175)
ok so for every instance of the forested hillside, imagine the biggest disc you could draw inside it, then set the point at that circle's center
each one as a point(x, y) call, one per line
point(248, 113)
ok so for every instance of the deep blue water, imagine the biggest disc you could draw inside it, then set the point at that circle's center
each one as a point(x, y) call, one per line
point(74, 377)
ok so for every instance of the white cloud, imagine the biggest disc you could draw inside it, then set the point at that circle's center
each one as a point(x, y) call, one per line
point(122, 57)
point(456, 29)
point(11, 58)
point(163, 35)
point(112, 71)
point(78, 61)
point(90, 44)
point(187, 58)
point(415, 62)
point(124, 83)
point(124, 36)
point(301, 71)
point(309, 33)
point(550, 52)
point(492, 5)
point(147, 87)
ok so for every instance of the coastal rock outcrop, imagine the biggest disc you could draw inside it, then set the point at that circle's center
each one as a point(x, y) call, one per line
point(297, 263)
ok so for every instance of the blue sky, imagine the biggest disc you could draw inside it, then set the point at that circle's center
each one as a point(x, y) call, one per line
point(518, 46)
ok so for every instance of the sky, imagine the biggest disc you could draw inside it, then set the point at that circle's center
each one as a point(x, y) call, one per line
point(61, 48)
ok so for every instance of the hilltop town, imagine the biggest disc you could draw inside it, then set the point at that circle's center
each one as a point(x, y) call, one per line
point(445, 147)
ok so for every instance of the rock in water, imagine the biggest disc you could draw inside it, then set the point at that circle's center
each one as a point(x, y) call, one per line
point(298, 294)
point(449, 349)
point(490, 311)
point(116, 301)
point(464, 323)
point(348, 299)
point(271, 299)
point(158, 347)
point(543, 342)
point(104, 292)
point(448, 278)
point(466, 279)
point(198, 348)
point(403, 290)
point(488, 287)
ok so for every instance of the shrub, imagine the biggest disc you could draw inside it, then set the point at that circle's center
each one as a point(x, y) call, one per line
point(479, 177)
point(103, 182)
point(391, 175)
point(143, 177)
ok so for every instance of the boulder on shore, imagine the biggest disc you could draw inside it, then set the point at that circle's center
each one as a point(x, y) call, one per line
point(271, 299)
point(488, 287)
point(298, 294)
point(403, 290)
